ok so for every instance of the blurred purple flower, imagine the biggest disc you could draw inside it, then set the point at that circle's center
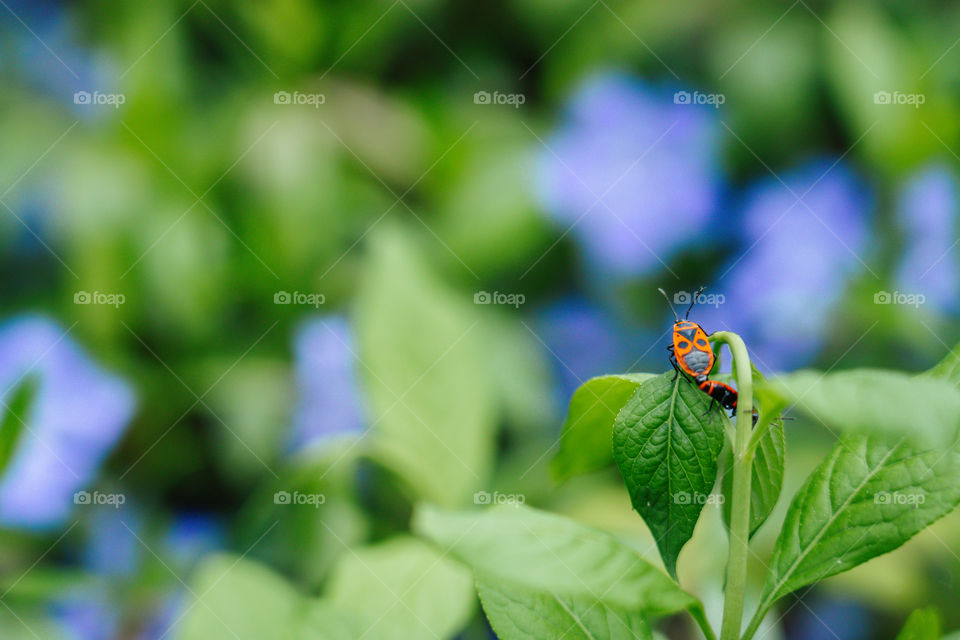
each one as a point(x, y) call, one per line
point(168, 614)
point(654, 164)
point(86, 615)
point(831, 619)
point(78, 412)
point(192, 536)
point(328, 397)
point(795, 262)
point(583, 341)
point(927, 211)
point(73, 68)
point(112, 548)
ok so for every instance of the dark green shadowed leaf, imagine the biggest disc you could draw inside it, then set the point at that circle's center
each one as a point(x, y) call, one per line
point(547, 553)
point(767, 477)
point(14, 419)
point(867, 498)
point(923, 624)
point(666, 442)
point(875, 400)
point(586, 442)
point(517, 612)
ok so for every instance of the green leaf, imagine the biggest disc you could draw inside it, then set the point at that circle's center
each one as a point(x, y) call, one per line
point(433, 405)
point(586, 442)
point(322, 620)
point(867, 498)
point(517, 612)
point(666, 442)
point(867, 52)
point(237, 599)
point(923, 624)
point(767, 477)
point(552, 554)
point(948, 368)
point(403, 589)
point(14, 418)
point(876, 400)
point(521, 373)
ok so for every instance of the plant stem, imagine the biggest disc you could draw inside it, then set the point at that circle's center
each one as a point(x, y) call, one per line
point(736, 583)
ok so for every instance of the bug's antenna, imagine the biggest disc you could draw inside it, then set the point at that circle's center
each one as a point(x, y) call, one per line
point(675, 316)
point(693, 301)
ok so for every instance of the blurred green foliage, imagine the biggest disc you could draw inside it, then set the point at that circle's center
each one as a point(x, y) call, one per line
point(398, 198)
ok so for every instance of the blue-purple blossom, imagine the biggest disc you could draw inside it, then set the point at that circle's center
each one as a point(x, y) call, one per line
point(87, 614)
point(653, 163)
point(927, 213)
point(46, 28)
point(584, 340)
point(794, 263)
point(112, 548)
point(192, 536)
point(824, 619)
point(77, 414)
point(168, 614)
point(329, 400)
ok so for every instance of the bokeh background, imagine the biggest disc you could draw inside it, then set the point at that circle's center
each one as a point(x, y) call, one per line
point(367, 250)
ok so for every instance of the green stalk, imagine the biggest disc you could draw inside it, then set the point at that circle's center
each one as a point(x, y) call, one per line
point(736, 583)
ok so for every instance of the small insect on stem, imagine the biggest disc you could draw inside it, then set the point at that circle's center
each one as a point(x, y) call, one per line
point(692, 354)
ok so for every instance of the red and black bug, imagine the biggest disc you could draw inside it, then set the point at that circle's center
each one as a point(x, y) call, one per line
point(722, 393)
point(690, 351)
point(692, 354)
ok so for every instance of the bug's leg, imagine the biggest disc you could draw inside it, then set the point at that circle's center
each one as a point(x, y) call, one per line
point(676, 368)
point(713, 402)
